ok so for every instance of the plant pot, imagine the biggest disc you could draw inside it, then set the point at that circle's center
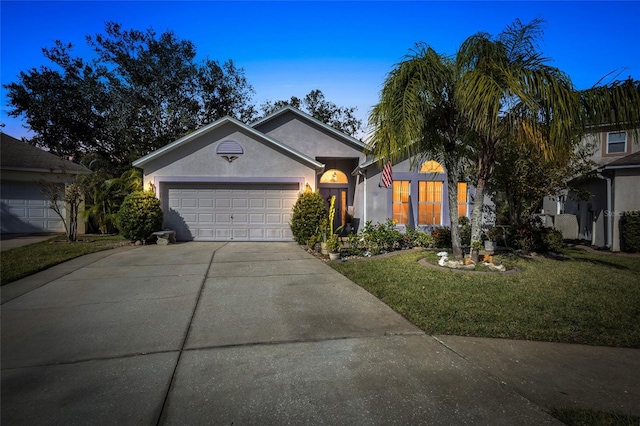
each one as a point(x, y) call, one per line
point(323, 248)
point(334, 256)
point(489, 245)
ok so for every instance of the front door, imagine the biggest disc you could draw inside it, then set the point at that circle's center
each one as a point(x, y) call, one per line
point(340, 204)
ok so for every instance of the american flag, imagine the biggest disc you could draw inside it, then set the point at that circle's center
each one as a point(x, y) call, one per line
point(387, 176)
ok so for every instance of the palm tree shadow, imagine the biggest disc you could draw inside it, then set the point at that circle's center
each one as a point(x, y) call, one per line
point(599, 262)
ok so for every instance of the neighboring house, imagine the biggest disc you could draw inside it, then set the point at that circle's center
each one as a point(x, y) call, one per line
point(24, 208)
point(232, 181)
point(599, 198)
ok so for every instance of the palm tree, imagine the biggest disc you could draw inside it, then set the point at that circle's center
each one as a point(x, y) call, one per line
point(417, 114)
point(509, 94)
point(106, 195)
point(498, 91)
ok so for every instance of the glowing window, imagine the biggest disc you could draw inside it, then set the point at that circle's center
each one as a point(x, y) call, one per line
point(463, 200)
point(431, 167)
point(429, 203)
point(333, 176)
point(400, 203)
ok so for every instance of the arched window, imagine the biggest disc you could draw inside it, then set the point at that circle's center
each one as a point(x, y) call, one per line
point(334, 176)
point(431, 167)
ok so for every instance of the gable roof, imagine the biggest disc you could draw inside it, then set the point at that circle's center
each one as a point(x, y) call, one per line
point(303, 115)
point(18, 155)
point(627, 162)
point(217, 124)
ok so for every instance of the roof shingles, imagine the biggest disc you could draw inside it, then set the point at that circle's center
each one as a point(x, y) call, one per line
point(16, 155)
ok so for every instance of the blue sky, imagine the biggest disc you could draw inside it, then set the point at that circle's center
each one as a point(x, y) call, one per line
point(345, 49)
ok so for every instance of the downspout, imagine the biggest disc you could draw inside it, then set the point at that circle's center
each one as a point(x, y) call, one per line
point(609, 212)
point(364, 201)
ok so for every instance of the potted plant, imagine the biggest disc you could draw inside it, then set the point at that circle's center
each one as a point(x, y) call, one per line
point(323, 231)
point(334, 245)
point(492, 236)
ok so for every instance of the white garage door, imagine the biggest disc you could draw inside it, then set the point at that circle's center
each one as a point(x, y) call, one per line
point(26, 210)
point(226, 212)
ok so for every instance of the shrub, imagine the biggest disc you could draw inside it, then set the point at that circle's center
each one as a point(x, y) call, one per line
point(422, 239)
point(308, 213)
point(532, 236)
point(380, 238)
point(334, 244)
point(553, 240)
point(441, 237)
point(139, 216)
point(313, 241)
point(630, 231)
point(354, 244)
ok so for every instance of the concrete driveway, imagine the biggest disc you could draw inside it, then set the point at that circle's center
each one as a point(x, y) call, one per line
point(230, 333)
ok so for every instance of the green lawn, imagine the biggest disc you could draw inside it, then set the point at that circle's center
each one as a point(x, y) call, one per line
point(23, 261)
point(586, 417)
point(589, 298)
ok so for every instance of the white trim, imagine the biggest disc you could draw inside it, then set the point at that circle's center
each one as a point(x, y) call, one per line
point(626, 141)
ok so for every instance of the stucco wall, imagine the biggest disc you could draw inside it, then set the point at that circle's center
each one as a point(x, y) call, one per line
point(197, 160)
point(626, 197)
point(599, 142)
point(314, 141)
point(378, 199)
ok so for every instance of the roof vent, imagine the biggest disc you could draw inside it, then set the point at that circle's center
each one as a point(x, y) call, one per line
point(229, 147)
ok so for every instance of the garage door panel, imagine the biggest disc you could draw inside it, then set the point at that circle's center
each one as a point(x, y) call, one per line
point(223, 218)
point(273, 233)
point(37, 213)
point(189, 202)
point(241, 234)
point(274, 203)
point(273, 218)
point(256, 218)
point(222, 203)
point(222, 234)
point(222, 212)
point(257, 234)
point(205, 218)
point(26, 210)
point(205, 202)
point(240, 219)
point(205, 233)
point(240, 203)
point(256, 203)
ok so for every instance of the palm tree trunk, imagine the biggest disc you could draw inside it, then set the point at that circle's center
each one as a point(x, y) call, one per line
point(478, 207)
point(452, 183)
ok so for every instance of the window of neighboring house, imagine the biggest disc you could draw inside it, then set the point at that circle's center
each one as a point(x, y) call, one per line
point(429, 203)
point(463, 199)
point(616, 142)
point(400, 203)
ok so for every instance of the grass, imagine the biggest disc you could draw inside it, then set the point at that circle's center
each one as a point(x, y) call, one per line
point(586, 298)
point(587, 417)
point(23, 261)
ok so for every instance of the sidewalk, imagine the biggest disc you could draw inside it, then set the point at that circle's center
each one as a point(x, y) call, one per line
point(11, 241)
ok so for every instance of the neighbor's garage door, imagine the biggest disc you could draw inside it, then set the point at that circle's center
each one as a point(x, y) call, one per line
point(225, 212)
point(26, 210)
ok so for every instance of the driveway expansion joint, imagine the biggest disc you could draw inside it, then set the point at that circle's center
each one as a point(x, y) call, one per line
point(87, 360)
point(297, 341)
point(162, 412)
